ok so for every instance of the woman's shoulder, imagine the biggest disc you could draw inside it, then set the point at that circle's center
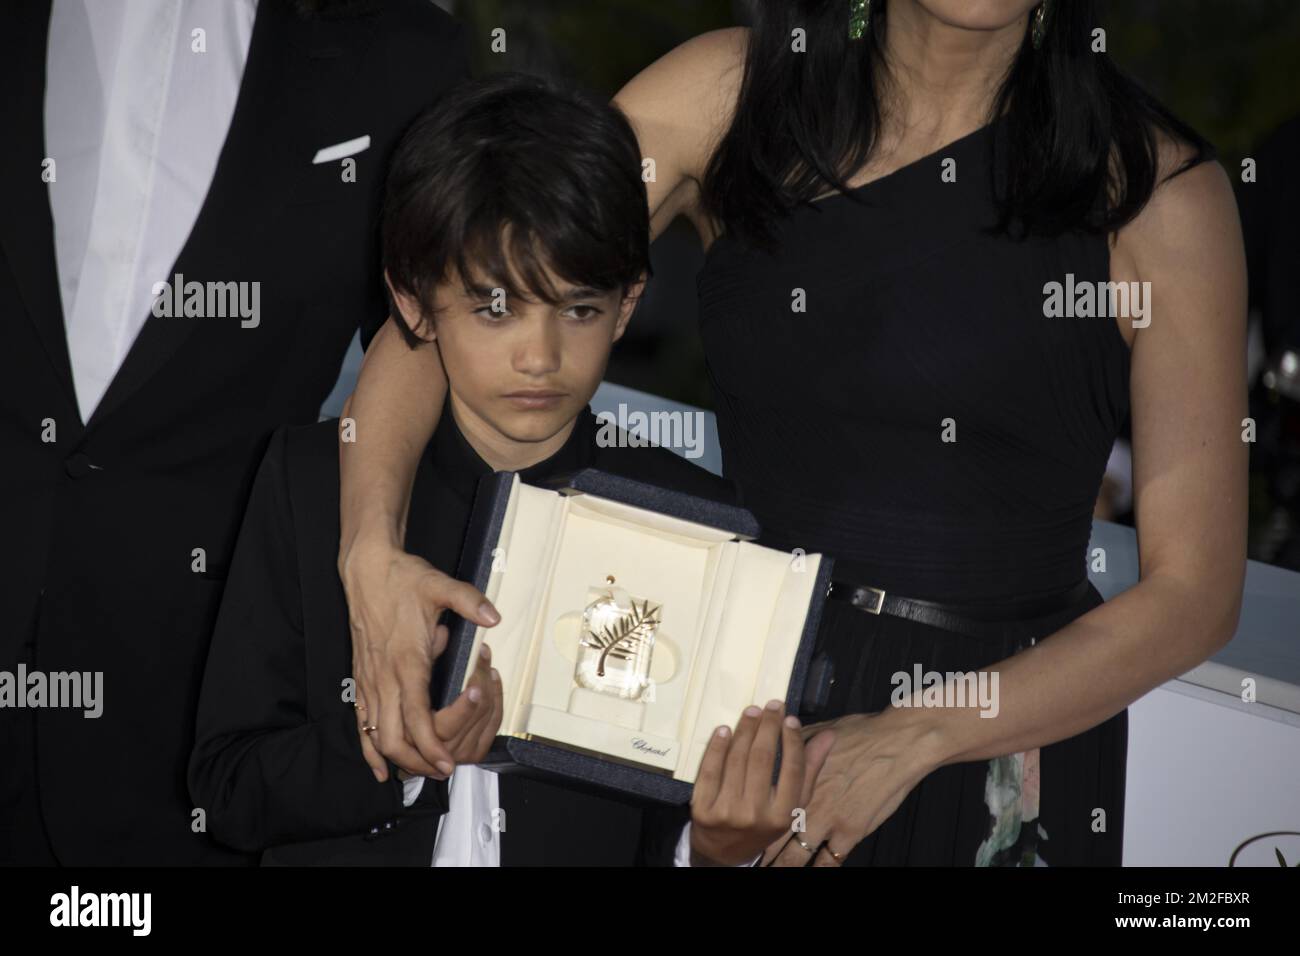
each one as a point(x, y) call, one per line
point(695, 64)
point(683, 101)
point(1192, 196)
point(1176, 157)
point(1192, 190)
point(1186, 241)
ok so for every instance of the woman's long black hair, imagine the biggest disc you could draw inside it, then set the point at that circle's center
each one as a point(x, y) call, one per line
point(1080, 135)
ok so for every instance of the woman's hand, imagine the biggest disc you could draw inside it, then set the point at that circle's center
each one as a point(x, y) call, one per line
point(735, 810)
point(876, 762)
point(394, 602)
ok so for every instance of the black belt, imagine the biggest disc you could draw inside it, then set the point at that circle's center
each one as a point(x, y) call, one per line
point(974, 620)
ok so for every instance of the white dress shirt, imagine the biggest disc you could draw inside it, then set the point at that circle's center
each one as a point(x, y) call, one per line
point(466, 833)
point(135, 118)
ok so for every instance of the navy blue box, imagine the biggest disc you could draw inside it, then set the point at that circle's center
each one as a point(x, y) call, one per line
point(557, 763)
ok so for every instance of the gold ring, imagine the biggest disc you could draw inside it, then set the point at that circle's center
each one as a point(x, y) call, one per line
point(805, 846)
point(369, 728)
point(838, 858)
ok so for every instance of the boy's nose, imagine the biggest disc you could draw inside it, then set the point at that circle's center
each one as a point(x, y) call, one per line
point(539, 352)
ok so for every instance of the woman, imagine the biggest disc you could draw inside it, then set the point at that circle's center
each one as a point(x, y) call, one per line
point(912, 211)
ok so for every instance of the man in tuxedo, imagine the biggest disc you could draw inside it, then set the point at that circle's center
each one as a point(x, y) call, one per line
point(525, 306)
point(191, 194)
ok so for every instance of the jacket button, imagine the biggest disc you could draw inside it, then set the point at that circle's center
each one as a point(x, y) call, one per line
point(79, 466)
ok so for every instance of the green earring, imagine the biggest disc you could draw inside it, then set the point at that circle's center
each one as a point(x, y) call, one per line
point(859, 14)
point(1040, 24)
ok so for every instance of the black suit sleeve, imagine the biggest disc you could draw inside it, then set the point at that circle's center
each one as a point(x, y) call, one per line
point(265, 769)
point(431, 52)
point(661, 828)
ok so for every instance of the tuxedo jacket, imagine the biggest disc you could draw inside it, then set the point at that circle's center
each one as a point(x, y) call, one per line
point(103, 522)
point(277, 763)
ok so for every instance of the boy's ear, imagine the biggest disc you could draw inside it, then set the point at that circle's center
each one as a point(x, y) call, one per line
point(410, 312)
point(631, 299)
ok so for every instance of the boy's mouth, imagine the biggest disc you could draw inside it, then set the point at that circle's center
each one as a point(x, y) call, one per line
point(533, 398)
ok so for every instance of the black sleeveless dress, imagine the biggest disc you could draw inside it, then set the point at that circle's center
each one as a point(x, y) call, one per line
point(922, 421)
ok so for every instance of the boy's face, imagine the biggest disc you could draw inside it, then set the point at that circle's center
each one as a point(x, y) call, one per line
point(522, 368)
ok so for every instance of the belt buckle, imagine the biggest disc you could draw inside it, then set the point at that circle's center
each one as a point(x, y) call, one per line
point(860, 593)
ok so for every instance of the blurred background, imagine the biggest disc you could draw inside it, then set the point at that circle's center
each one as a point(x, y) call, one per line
point(1228, 67)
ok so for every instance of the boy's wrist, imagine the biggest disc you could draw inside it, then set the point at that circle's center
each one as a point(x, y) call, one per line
point(701, 857)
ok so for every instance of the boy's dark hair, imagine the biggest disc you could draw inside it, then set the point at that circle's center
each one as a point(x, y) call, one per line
point(515, 171)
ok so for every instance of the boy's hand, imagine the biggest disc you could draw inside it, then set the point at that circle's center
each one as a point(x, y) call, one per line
point(736, 812)
point(468, 726)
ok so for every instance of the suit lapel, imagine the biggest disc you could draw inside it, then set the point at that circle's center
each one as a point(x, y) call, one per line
point(27, 227)
point(294, 70)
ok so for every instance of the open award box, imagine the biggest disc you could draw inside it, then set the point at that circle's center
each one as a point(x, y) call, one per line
point(634, 621)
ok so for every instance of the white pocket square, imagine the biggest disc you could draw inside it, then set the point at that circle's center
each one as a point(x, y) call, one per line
point(340, 150)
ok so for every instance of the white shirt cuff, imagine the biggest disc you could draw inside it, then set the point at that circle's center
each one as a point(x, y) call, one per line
point(682, 855)
point(411, 790)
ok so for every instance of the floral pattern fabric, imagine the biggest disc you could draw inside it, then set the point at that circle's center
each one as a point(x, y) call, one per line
point(1011, 793)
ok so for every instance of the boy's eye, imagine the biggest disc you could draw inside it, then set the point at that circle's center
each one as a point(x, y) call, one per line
point(583, 313)
point(491, 314)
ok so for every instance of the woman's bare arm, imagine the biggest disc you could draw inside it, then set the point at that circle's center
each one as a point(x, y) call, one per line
point(679, 106)
point(394, 598)
point(398, 399)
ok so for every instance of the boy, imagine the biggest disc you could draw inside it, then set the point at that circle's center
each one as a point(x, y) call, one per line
point(524, 260)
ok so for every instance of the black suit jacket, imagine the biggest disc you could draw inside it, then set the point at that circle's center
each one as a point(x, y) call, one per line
point(277, 763)
point(101, 524)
